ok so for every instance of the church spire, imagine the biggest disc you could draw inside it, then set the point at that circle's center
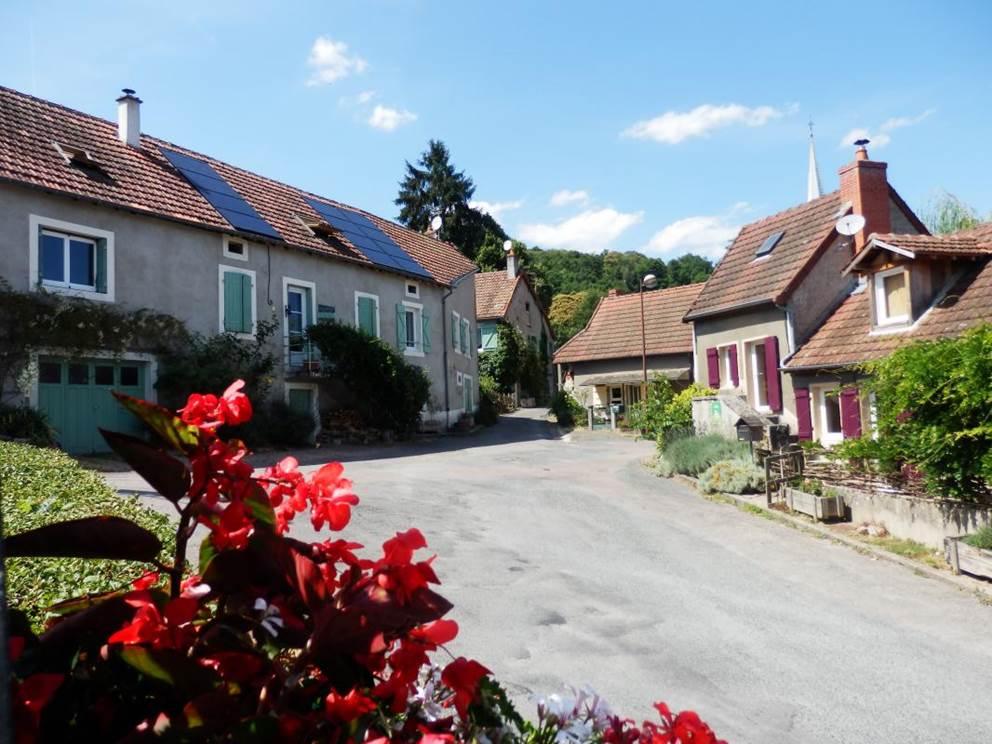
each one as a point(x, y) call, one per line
point(813, 190)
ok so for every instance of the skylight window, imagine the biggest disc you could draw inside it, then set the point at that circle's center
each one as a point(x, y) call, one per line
point(770, 242)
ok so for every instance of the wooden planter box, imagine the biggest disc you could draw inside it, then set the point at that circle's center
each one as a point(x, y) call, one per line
point(963, 557)
point(818, 507)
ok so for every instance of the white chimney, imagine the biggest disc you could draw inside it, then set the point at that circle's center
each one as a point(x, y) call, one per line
point(511, 259)
point(129, 118)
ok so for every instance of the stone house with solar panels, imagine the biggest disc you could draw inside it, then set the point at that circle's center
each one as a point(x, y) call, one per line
point(602, 365)
point(910, 288)
point(780, 278)
point(508, 297)
point(96, 209)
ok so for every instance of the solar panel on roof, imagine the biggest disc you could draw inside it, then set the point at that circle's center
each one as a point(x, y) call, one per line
point(362, 233)
point(770, 242)
point(222, 197)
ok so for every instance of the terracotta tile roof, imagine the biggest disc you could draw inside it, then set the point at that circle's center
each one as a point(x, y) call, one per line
point(614, 330)
point(975, 242)
point(493, 292)
point(142, 180)
point(740, 278)
point(845, 338)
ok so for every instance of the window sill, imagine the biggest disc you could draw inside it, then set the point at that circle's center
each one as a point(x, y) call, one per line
point(413, 352)
point(90, 294)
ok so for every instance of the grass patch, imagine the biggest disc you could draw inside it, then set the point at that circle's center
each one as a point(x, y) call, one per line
point(981, 539)
point(907, 549)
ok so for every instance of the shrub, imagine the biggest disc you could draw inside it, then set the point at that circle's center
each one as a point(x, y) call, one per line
point(41, 486)
point(27, 423)
point(210, 363)
point(692, 455)
point(515, 361)
point(981, 539)
point(489, 403)
point(732, 476)
point(566, 409)
point(388, 391)
point(275, 424)
point(933, 401)
point(665, 414)
point(274, 639)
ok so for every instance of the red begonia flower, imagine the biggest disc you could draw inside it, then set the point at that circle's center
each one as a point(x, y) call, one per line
point(233, 666)
point(232, 529)
point(437, 633)
point(146, 581)
point(462, 676)
point(235, 404)
point(29, 698)
point(346, 708)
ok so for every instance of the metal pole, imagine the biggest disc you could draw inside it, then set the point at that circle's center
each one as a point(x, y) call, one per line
point(644, 347)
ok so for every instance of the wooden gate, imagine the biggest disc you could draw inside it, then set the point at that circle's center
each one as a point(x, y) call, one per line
point(782, 467)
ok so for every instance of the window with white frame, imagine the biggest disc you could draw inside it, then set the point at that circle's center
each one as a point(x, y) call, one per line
point(367, 313)
point(829, 428)
point(235, 248)
point(759, 375)
point(892, 304)
point(412, 329)
point(465, 336)
point(728, 361)
point(71, 259)
point(413, 290)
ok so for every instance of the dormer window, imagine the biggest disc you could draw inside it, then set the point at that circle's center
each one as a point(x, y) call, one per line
point(892, 305)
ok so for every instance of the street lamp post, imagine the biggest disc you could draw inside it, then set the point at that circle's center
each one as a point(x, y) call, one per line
point(650, 281)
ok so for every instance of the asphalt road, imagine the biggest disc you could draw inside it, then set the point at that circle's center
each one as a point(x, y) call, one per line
point(568, 562)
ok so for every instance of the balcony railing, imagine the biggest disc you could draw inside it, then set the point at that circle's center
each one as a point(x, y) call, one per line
point(301, 357)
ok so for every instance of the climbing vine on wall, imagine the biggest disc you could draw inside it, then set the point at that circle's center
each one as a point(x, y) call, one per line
point(33, 321)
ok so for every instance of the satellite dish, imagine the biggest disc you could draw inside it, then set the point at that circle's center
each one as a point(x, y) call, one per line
point(850, 224)
point(507, 245)
point(436, 222)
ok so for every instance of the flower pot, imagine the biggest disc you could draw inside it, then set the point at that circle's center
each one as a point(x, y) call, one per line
point(818, 507)
point(964, 557)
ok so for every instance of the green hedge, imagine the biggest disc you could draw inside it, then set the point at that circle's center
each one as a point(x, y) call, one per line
point(39, 486)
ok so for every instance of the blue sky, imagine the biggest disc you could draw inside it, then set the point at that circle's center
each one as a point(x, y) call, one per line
point(659, 126)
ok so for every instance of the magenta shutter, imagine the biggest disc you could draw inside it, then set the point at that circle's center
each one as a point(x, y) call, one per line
point(771, 373)
point(850, 413)
point(803, 413)
point(713, 366)
point(735, 377)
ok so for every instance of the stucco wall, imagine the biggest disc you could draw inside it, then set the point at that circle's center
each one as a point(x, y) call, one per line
point(739, 328)
point(173, 268)
point(530, 322)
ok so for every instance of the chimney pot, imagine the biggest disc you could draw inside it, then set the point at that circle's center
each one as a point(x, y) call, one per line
point(511, 262)
point(129, 118)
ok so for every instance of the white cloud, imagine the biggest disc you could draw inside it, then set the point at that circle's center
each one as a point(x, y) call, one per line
point(883, 135)
point(495, 209)
point(330, 61)
point(563, 197)
point(673, 127)
point(361, 99)
point(589, 231)
point(705, 235)
point(387, 119)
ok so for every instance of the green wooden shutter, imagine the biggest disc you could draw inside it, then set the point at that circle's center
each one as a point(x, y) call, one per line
point(464, 336)
point(454, 330)
point(400, 326)
point(247, 287)
point(425, 327)
point(101, 266)
point(233, 313)
point(366, 315)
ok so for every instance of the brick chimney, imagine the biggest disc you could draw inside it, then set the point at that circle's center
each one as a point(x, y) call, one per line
point(864, 184)
point(613, 293)
point(511, 262)
point(129, 118)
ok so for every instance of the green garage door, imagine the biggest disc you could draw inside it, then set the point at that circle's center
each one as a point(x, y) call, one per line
point(75, 394)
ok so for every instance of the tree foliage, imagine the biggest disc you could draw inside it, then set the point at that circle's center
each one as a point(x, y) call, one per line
point(945, 214)
point(665, 413)
point(434, 187)
point(933, 400)
point(514, 361)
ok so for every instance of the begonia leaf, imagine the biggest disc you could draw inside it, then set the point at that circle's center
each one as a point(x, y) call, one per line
point(113, 538)
point(171, 667)
point(169, 427)
point(167, 475)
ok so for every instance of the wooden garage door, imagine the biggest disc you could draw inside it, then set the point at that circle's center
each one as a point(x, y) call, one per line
point(75, 395)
